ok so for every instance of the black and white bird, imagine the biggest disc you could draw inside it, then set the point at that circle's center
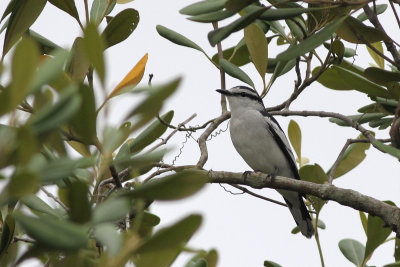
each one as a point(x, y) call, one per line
point(261, 142)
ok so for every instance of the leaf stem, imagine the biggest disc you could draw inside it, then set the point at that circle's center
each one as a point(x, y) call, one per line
point(316, 236)
point(221, 72)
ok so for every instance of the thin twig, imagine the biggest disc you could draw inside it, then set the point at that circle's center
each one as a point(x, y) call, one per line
point(165, 140)
point(203, 138)
point(185, 129)
point(50, 195)
point(115, 176)
point(373, 18)
point(338, 160)
point(245, 190)
point(86, 11)
point(395, 12)
point(23, 239)
point(221, 72)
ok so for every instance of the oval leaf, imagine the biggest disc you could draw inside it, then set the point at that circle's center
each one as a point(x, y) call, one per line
point(176, 38)
point(172, 187)
point(235, 72)
point(258, 48)
point(352, 250)
point(23, 15)
point(381, 76)
point(120, 27)
point(70, 236)
point(203, 7)
point(311, 42)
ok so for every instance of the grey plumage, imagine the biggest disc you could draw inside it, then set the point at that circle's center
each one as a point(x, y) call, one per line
point(261, 142)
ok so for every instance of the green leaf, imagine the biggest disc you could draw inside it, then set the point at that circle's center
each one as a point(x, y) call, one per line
point(381, 76)
point(320, 225)
point(46, 46)
point(172, 187)
point(397, 249)
point(388, 149)
point(94, 47)
point(314, 173)
point(67, 6)
point(7, 234)
point(294, 134)
point(203, 7)
point(8, 9)
point(258, 48)
point(50, 69)
point(58, 169)
point(213, 16)
point(24, 63)
point(235, 72)
point(109, 237)
point(110, 210)
point(354, 31)
point(151, 133)
point(220, 34)
point(164, 246)
point(282, 13)
point(360, 118)
point(37, 204)
point(98, 10)
point(121, 27)
point(311, 42)
point(353, 156)
point(176, 38)
point(271, 264)
point(23, 14)
point(52, 116)
point(339, 78)
point(147, 223)
point(377, 58)
point(237, 5)
point(237, 55)
point(379, 10)
point(364, 221)
point(152, 104)
point(70, 236)
point(83, 122)
point(79, 65)
point(352, 250)
point(78, 202)
point(376, 235)
point(395, 264)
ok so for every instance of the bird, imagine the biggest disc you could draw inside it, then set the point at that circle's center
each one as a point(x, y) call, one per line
point(261, 142)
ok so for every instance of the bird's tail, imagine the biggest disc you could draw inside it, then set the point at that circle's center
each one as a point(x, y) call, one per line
point(299, 212)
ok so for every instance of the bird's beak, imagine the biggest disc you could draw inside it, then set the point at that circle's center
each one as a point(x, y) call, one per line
point(223, 91)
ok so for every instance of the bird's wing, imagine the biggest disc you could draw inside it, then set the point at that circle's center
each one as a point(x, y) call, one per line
point(281, 140)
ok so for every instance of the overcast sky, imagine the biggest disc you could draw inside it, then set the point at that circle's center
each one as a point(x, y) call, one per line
point(245, 230)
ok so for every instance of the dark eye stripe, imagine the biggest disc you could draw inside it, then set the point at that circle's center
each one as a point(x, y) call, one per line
point(251, 96)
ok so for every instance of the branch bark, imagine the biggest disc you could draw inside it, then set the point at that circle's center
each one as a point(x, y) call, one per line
point(346, 197)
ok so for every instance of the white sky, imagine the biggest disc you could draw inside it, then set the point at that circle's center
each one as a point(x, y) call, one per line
point(245, 230)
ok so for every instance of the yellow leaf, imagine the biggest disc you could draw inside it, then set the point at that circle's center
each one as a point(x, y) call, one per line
point(377, 58)
point(132, 78)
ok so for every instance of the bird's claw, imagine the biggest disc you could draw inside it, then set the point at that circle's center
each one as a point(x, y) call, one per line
point(245, 174)
point(274, 173)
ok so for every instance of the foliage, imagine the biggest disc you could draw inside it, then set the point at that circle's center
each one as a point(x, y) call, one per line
point(106, 189)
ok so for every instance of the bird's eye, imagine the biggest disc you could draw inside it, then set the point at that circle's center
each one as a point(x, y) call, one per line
point(243, 94)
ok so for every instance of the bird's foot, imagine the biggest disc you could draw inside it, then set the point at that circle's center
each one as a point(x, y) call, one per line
point(245, 174)
point(274, 173)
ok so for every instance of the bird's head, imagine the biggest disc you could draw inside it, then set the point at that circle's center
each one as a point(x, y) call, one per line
point(242, 97)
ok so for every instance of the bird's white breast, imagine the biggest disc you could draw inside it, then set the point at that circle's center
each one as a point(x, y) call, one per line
point(255, 143)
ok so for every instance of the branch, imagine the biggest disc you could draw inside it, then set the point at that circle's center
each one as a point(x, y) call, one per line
point(221, 73)
point(346, 197)
point(50, 195)
point(373, 18)
point(115, 176)
point(164, 141)
point(203, 138)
